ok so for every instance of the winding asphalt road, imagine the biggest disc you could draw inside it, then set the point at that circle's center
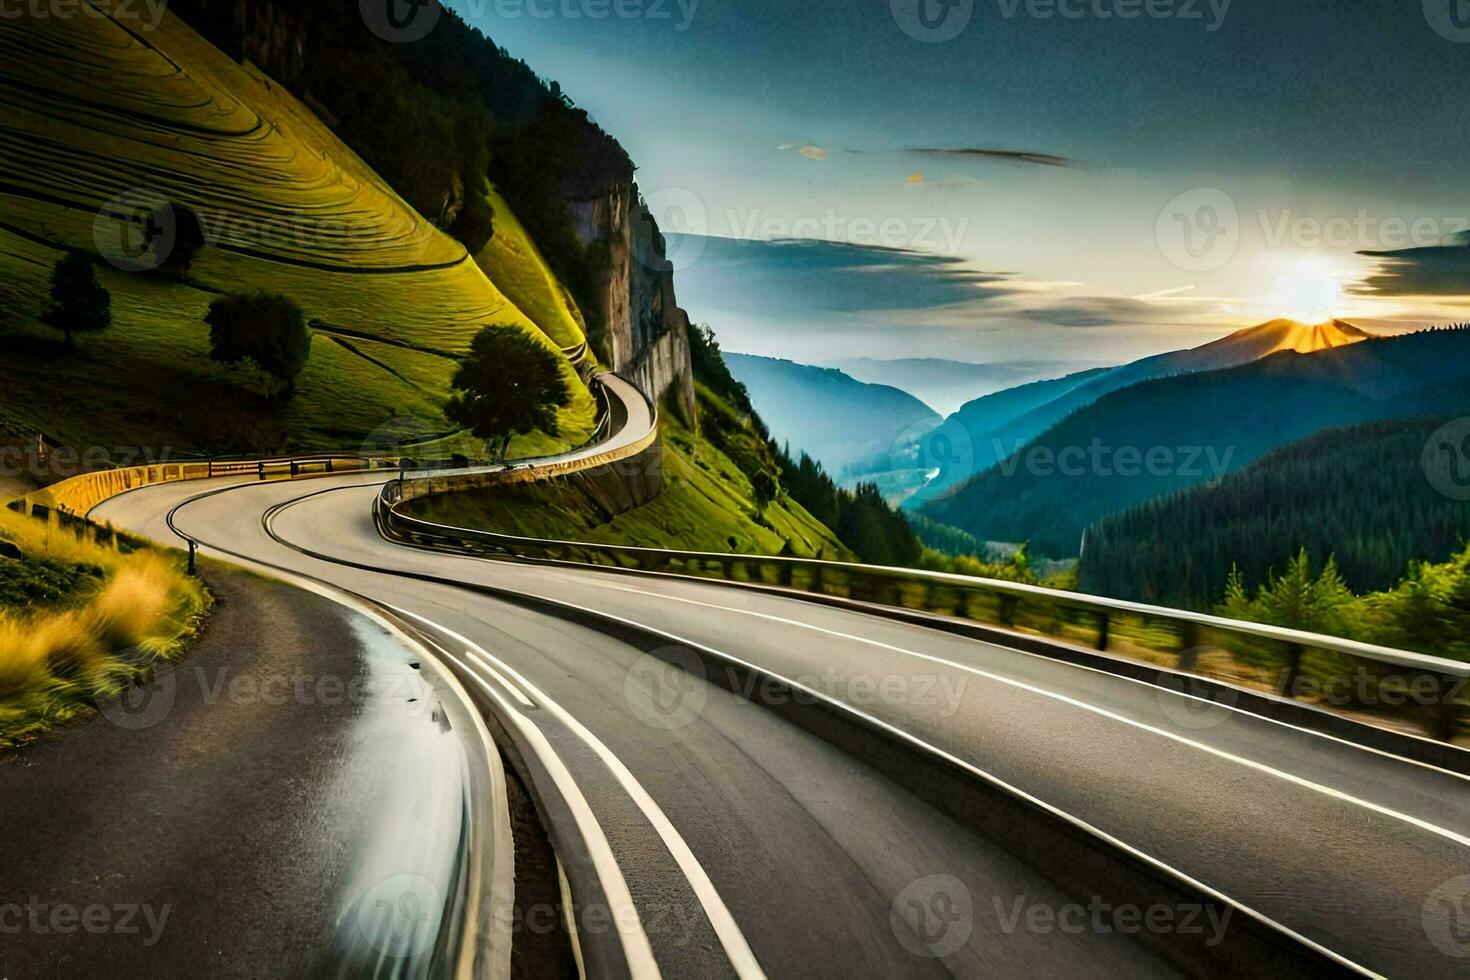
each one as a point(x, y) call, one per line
point(730, 842)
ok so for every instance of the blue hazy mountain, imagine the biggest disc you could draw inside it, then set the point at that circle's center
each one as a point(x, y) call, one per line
point(823, 412)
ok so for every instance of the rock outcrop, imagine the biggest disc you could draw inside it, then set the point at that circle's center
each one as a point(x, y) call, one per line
point(648, 337)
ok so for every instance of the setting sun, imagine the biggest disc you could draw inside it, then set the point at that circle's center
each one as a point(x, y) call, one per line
point(1309, 290)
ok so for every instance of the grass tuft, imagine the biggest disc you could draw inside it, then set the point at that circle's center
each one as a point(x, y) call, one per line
point(118, 617)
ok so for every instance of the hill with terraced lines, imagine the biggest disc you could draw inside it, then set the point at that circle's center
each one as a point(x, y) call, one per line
point(103, 124)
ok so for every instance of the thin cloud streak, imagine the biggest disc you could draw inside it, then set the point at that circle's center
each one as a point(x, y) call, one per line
point(1014, 156)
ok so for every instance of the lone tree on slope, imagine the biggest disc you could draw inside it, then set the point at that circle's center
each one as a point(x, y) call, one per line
point(266, 330)
point(79, 302)
point(508, 384)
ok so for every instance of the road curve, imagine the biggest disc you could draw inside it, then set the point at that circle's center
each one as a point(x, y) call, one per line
point(746, 845)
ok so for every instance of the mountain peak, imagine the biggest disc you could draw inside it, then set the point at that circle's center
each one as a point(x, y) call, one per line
point(1283, 335)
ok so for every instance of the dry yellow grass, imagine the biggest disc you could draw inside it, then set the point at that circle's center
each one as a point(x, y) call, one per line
point(56, 663)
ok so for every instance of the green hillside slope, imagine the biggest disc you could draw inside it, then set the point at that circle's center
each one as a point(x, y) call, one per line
point(100, 124)
point(1175, 433)
point(1359, 493)
point(708, 504)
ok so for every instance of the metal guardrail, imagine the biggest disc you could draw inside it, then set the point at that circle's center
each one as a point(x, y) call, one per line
point(1408, 692)
point(76, 496)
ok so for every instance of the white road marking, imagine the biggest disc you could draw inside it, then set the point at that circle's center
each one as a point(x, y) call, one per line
point(903, 736)
point(624, 913)
point(731, 938)
point(1444, 832)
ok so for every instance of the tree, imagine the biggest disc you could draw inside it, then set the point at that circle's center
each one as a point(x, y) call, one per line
point(79, 302)
point(188, 239)
point(764, 486)
point(266, 330)
point(508, 384)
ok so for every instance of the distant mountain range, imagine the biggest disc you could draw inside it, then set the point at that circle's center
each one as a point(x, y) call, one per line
point(987, 429)
point(823, 412)
point(946, 385)
point(1173, 433)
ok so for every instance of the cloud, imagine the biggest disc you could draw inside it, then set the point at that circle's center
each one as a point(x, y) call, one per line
point(785, 146)
point(1436, 270)
point(809, 276)
point(813, 300)
point(1166, 308)
point(986, 153)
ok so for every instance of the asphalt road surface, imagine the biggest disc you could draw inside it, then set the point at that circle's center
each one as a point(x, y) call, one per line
point(228, 819)
point(746, 844)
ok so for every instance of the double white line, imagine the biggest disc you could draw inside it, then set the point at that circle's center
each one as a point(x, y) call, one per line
point(636, 946)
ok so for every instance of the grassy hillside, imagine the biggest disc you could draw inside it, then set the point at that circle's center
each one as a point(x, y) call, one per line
point(708, 504)
point(1171, 434)
point(513, 262)
point(92, 112)
point(1358, 493)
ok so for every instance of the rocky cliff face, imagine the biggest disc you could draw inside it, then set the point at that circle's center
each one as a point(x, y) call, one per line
point(648, 335)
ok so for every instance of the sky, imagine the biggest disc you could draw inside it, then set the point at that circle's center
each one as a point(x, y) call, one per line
point(1082, 180)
